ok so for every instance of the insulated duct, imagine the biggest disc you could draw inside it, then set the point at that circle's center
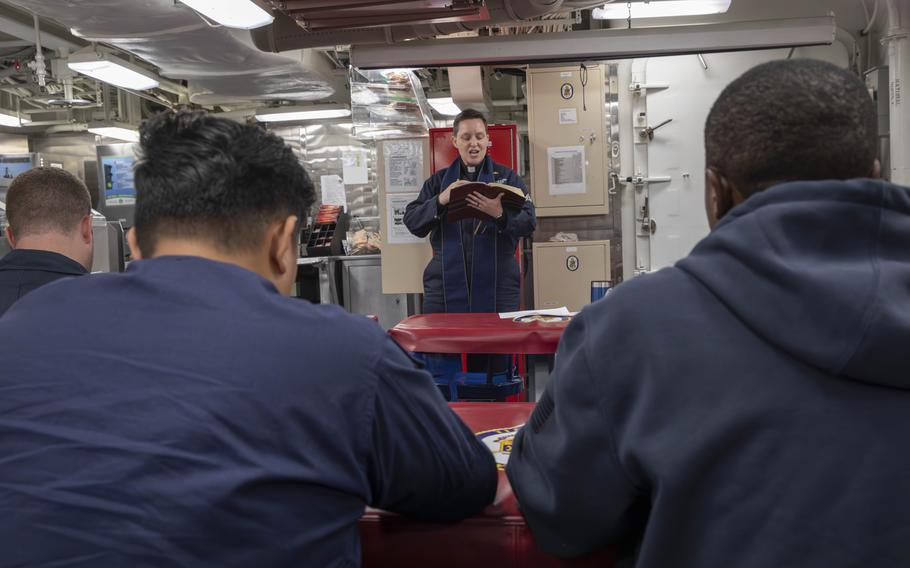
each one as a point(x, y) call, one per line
point(220, 65)
point(468, 89)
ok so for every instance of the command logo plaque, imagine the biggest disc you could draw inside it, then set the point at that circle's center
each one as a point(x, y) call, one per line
point(499, 442)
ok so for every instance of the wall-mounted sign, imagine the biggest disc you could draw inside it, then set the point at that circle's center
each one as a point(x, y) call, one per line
point(572, 263)
point(567, 91)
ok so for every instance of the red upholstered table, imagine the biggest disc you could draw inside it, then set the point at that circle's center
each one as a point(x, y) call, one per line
point(476, 333)
point(499, 536)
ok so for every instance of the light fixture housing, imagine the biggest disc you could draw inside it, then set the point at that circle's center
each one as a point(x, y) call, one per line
point(659, 9)
point(114, 130)
point(301, 113)
point(8, 118)
point(64, 102)
point(240, 14)
point(111, 69)
point(444, 106)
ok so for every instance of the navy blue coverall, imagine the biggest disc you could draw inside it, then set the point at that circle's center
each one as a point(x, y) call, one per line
point(185, 413)
point(424, 216)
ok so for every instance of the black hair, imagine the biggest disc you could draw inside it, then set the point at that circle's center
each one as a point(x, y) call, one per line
point(44, 200)
point(789, 120)
point(467, 114)
point(203, 177)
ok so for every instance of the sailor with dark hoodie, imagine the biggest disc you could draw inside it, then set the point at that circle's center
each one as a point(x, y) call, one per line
point(749, 406)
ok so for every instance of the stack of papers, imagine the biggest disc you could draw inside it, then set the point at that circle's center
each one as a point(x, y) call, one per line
point(563, 311)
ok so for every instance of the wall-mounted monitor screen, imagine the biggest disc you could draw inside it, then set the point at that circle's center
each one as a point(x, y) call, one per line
point(118, 180)
point(12, 165)
point(116, 191)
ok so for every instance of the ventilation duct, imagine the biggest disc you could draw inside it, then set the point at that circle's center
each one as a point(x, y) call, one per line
point(220, 65)
point(469, 90)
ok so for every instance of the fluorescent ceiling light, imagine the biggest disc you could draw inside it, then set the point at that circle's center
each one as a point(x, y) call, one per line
point(118, 132)
point(300, 113)
point(9, 119)
point(241, 14)
point(660, 9)
point(444, 105)
point(111, 69)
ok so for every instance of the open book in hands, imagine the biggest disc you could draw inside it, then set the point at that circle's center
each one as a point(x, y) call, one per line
point(459, 209)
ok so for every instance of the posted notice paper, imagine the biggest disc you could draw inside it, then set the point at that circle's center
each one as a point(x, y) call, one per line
point(403, 166)
point(333, 191)
point(354, 167)
point(567, 169)
point(396, 204)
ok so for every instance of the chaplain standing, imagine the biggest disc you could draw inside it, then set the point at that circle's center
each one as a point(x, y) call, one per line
point(473, 268)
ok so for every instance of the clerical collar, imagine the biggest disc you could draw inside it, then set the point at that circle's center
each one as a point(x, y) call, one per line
point(471, 169)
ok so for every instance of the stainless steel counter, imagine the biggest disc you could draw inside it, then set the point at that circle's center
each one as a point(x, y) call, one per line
point(304, 260)
point(355, 283)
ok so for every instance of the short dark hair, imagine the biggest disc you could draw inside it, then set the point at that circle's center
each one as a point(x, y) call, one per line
point(200, 176)
point(468, 114)
point(43, 200)
point(789, 120)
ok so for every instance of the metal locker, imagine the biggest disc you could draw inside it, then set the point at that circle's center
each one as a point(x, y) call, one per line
point(566, 128)
point(563, 272)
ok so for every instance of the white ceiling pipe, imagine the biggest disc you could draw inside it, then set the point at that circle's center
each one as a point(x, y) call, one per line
point(898, 45)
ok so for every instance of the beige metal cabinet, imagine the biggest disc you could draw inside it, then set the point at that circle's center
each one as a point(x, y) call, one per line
point(566, 126)
point(563, 272)
point(402, 263)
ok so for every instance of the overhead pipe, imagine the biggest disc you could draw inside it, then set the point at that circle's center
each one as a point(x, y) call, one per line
point(871, 20)
point(898, 45)
point(849, 42)
point(40, 67)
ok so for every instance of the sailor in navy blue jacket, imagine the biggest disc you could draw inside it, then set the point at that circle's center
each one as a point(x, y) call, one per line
point(187, 414)
point(473, 268)
point(50, 232)
point(748, 407)
point(24, 270)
